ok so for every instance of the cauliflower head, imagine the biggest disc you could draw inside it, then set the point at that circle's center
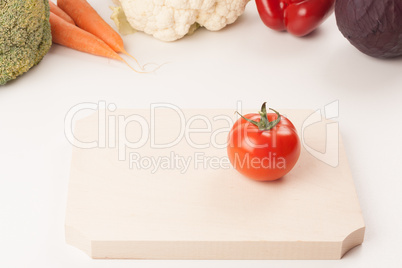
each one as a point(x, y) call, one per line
point(25, 36)
point(169, 20)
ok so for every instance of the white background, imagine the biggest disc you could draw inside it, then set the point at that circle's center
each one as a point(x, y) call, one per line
point(246, 62)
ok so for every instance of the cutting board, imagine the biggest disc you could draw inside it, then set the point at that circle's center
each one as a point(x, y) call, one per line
point(157, 184)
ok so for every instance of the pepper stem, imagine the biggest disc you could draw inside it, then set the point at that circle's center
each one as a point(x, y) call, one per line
point(264, 124)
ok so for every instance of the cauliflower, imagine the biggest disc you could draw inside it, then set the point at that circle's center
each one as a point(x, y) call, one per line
point(25, 36)
point(169, 20)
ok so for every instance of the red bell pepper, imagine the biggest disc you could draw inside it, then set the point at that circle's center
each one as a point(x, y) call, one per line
point(298, 17)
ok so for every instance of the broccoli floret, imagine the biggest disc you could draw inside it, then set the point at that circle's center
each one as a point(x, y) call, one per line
point(25, 36)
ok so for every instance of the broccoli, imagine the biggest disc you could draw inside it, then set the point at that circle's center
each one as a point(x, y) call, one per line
point(25, 36)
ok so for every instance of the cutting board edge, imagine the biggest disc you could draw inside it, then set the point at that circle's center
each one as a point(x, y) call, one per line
point(214, 250)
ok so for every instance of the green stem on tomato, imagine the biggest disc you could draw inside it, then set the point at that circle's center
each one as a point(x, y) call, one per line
point(264, 124)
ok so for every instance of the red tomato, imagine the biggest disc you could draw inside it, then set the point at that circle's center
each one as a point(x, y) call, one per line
point(298, 17)
point(263, 147)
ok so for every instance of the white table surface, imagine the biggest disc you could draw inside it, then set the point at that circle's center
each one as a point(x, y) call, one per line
point(245, 62)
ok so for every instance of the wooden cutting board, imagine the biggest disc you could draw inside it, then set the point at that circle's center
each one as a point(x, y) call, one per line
point(157, 184)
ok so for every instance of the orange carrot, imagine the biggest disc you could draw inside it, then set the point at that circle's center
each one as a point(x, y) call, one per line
point(59, 12)
point(66, 34)
point(69, 35)
point(86, 17)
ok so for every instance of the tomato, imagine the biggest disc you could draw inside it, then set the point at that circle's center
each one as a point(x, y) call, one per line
point(298, 17)
point(263, 146)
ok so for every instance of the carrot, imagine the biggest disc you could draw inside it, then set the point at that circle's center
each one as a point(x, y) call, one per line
point(66, 34)
point(59, 12)
point(69, 35)
point(86, 17)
